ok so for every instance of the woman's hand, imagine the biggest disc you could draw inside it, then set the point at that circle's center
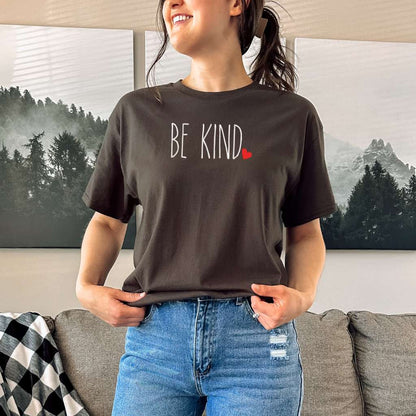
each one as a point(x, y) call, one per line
point(288, 303)
point(106, 303)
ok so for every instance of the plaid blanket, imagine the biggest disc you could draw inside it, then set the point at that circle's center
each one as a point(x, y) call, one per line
point(32, 378)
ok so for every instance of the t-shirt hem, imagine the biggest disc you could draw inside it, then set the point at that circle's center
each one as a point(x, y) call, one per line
point(87, 200)
point(323, 212)
point(160, 297)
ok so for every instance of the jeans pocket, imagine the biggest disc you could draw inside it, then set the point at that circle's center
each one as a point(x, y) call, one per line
point(250, 311)
point(248, 308)
point(149, 312)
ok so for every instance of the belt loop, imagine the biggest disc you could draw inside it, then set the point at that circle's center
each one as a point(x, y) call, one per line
point(239, 300)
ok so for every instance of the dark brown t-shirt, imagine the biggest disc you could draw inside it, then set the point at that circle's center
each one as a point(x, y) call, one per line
point(216, 174)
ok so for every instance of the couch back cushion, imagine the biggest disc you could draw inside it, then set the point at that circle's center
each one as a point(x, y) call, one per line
point(331, 382)
point(386, 356)
point(91, 350)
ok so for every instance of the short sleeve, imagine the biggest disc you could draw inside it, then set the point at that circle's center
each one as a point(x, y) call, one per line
point(311, 196)
point(107, 191)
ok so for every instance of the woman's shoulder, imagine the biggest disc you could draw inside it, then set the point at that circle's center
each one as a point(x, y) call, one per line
point(143, 95)
point(287, 98)
point(299, 100)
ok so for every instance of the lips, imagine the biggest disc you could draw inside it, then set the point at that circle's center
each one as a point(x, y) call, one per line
point(180, 22)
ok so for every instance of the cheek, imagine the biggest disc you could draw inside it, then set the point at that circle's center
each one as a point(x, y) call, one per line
point(211, 26)
point(165, 19)
point(165, 12)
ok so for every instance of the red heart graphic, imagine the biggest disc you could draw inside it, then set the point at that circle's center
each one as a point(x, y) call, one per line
point(246, 153)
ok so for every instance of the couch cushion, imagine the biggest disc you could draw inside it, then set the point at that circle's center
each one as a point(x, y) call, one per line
point(386, 357)
point(91, 350)
point(327, 354)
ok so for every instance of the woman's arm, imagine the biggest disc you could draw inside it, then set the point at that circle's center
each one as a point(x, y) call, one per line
point(100, 248)
point(305, 258)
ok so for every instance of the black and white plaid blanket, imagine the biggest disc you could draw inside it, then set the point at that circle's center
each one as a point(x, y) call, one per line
point(32, 378)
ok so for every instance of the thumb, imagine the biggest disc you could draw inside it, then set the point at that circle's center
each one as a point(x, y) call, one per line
point(131, 296)
point(259, 289)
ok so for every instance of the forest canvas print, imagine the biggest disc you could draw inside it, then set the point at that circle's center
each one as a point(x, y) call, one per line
point(365, 94)
point(58, 87)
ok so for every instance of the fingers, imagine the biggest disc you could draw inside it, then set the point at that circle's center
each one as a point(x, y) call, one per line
point(129, 296)
point(264, 308)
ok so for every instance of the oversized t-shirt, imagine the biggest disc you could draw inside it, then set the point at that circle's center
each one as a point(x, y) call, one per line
point(217, 175)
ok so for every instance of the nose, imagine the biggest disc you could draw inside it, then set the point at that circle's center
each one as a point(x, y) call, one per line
point(171, 3)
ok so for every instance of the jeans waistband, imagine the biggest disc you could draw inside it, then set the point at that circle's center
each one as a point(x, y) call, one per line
point(238, 300)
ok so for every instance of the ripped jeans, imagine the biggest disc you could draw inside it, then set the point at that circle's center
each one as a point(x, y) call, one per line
point(196, 353)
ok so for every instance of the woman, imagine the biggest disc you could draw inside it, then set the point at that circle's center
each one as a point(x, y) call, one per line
point(218, 161)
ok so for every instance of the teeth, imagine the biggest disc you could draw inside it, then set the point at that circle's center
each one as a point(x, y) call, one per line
point(181, 17)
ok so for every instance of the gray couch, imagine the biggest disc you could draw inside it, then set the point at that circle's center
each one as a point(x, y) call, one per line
point(356, 363)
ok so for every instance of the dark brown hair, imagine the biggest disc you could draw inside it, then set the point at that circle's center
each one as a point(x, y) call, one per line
point(271, 66)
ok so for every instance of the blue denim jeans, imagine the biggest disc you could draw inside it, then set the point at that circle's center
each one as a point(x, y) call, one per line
point(196, 353)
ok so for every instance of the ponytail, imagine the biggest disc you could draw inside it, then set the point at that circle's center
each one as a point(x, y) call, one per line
point(271, 66)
